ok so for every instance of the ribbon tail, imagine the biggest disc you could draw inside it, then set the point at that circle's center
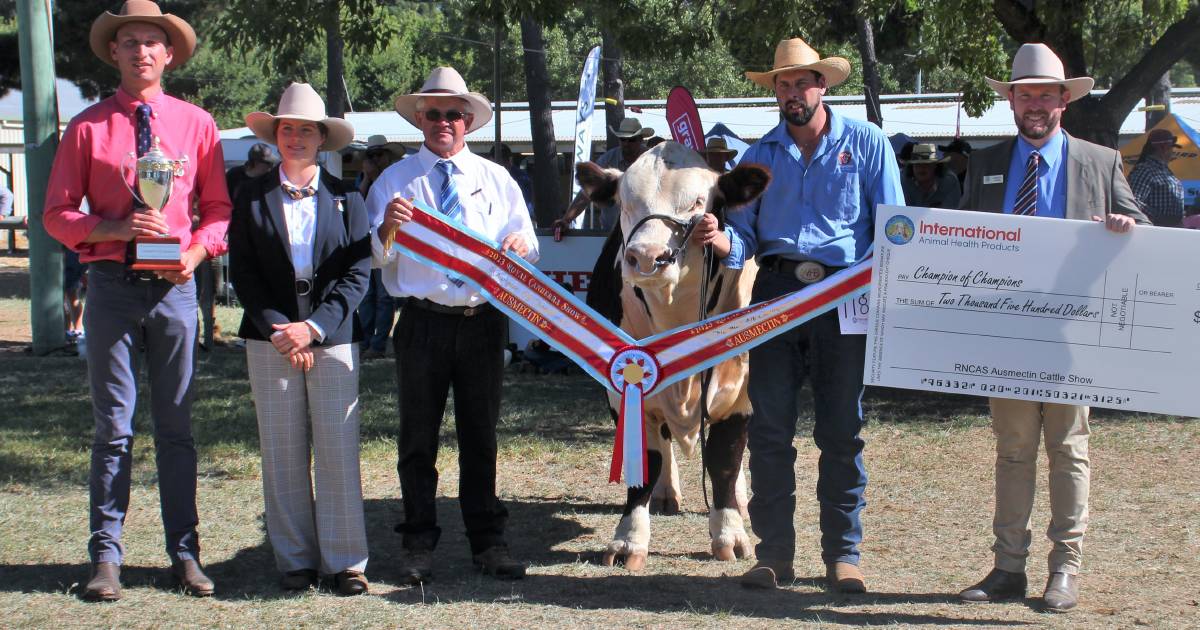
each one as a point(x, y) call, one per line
point(614, 467)
point(634, 435)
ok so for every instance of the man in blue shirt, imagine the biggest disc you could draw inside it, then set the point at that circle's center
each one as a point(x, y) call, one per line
point(816, 218)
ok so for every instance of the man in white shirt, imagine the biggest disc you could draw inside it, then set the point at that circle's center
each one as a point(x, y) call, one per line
point(447, 333)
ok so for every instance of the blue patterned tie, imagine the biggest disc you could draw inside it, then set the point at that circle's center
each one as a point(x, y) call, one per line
point(1027, 194)
point(448, 202)
point(142, 138)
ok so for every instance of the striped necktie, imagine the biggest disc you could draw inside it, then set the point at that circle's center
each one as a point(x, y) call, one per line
point(448, 195)
point(142, 136)
point(1027, 194)
point(448, 202)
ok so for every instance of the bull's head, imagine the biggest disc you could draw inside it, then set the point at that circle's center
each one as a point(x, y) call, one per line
point(660, 196)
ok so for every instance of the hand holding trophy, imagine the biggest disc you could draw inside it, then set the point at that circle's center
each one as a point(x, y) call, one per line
point(155, 174)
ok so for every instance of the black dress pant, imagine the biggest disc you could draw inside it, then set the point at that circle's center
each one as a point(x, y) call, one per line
point(435, 351)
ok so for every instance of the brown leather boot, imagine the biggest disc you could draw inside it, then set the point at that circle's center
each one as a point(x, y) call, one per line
point(768, 574)
point(844, 577)
point(351, 582)
point(190, 577)
point(1062, 592)
point(105, 583)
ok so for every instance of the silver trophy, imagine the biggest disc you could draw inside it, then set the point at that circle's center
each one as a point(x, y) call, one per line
point(155, 175)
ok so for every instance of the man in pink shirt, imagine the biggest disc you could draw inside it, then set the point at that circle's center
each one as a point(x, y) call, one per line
point(131, 311)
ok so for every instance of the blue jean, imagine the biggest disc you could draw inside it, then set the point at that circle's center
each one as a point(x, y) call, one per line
point(121, 318)
point(376, 313)
point(815, 350)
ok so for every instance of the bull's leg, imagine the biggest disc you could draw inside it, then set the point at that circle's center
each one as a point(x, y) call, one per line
point(631, 541)
point(666, 497)
point(723, 458)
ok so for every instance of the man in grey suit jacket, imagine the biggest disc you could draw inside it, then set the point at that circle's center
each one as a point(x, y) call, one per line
point(1044, 171)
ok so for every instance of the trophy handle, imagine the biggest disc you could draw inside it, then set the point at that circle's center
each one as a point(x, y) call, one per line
point(125, 176)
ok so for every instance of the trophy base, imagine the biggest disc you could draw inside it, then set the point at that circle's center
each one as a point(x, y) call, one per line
point(157, 253)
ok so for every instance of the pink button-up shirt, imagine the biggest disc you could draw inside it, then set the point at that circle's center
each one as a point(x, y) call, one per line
point(88, 165)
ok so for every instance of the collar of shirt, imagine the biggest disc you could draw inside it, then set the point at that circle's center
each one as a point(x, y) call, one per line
point(129, 103)
point(428, 160)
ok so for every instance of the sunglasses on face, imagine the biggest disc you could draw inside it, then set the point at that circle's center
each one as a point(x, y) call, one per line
point(375, 155)
point(633, 140)
point(451, 115)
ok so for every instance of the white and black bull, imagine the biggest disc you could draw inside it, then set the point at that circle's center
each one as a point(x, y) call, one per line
point(649, 280)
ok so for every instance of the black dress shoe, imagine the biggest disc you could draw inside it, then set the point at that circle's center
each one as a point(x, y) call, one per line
point(417, 567)
point(1062, 592)
point(496, 562)
point(999, 585)
point(105, 583)
point(190, 577)
point(300, 580)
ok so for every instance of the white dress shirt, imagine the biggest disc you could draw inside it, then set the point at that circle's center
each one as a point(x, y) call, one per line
point(301, 218)
point(491, 203)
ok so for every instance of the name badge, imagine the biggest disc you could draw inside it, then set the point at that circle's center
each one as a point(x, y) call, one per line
point(993, 179)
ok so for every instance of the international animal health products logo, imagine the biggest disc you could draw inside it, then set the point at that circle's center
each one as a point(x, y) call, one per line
point(899, 229)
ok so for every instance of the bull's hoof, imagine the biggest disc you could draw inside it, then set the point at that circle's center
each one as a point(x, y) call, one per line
point(666, 506)
point(634, 562)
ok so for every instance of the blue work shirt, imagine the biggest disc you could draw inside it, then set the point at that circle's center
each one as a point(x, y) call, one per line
point(823, 210)
point(1052, 177)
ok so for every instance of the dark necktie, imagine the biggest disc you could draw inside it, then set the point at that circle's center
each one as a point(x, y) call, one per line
point(141, 138)
point(1027, 194)
point(298, 193)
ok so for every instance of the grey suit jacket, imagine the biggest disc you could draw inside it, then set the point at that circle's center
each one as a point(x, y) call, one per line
point(1096, 186)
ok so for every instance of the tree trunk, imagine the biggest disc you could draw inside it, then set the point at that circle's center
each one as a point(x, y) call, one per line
point(612, 61)
point(1091, 119)
point(547, 195)
point(1160, 94)
point(335, 69)
point(866, 49)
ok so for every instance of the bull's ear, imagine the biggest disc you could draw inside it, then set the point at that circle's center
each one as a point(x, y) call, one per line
point(599, 184)
point(743, 184)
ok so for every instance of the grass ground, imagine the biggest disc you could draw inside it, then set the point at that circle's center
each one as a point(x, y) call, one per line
point(927, 521)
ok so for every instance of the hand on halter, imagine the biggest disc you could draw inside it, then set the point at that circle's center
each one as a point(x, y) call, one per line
point(708, 232)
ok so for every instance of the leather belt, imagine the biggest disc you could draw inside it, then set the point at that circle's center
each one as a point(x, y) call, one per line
point(114, 268)
point(304, 286)
point(442, 309)
point(806, 271)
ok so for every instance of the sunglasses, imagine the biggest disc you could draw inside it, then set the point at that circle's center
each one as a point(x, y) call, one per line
point(375, 155)
point(451, 115)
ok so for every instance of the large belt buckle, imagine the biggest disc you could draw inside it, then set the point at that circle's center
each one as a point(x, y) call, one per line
point(303, 287)
point(809, 272)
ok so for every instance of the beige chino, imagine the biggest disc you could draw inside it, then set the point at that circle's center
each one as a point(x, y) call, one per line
point(1019, 426)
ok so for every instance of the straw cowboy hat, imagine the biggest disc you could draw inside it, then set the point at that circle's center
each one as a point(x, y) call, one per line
point(630, 128)
point(717, 146)
point(445, 81)
point(927, 154)
point(380, 141)
point(795, 54)
point(1036, 64)
point(300, 102)
point(179, 34)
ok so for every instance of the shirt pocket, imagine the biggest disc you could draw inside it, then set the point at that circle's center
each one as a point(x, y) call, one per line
point(842, 195)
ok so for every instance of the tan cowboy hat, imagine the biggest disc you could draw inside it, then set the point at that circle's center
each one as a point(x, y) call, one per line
point(1036, 64)
point(380, 141)
point(717, 146)
point(301, 102)
point(795, 54)
point(630, 128)
point(926, 154)
point(445, 81)
point(179, 34)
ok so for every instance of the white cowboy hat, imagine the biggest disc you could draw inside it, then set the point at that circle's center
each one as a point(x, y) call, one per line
point(926, 154)
point(795, 54)
point(1036, 64)
point(380, 141)
point(301, 102)
point(630, 128)
point(445, 81)
point(180, 35)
